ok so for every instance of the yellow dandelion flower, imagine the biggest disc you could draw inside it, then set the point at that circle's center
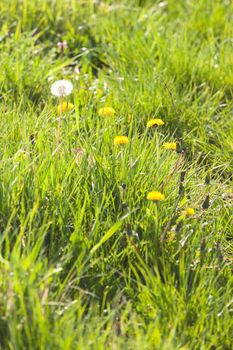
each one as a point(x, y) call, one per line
point(170, 145)
point(107, 112)
point(121, 140)
point(189, 212)
point(65, 107)
point(154, 122)
point(155, 196)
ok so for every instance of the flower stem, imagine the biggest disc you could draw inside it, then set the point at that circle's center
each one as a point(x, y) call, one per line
point(59, 122)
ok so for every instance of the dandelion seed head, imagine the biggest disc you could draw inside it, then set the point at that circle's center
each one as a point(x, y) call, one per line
point(61, 88)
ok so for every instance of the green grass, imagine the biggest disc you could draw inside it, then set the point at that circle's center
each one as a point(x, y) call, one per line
point(86, 261)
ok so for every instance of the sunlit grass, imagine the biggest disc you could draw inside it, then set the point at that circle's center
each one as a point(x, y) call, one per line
point(116, 231)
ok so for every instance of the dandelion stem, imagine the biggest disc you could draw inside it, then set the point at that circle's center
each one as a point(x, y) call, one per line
point(59, 122)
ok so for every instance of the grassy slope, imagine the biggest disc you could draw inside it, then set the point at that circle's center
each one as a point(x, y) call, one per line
point(80, 269)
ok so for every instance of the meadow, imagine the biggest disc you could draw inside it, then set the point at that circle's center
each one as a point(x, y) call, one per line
point(116, 201)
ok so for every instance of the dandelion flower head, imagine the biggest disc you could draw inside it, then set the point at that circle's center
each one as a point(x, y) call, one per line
point(154, 122)
point(155, 196)
point(107, 112)
point(189, 212)
point(170, 145)
point(121, 140)
point(65, 107)
point(61, 88)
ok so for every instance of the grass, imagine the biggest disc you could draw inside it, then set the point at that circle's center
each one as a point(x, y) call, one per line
point(86, 261)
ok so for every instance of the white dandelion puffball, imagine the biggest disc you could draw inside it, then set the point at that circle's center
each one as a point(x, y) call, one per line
point(61, 88)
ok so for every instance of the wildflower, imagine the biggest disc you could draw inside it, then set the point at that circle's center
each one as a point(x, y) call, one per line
point(61, 88)
point(107, 112)
point(154, 122)
point(62, 45)
point(65, 107)
point(189, 212)
point(155, 196)
point(170, 145)
point(121, 140)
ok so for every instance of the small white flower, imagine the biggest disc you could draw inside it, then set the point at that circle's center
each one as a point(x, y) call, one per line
point(61, 88)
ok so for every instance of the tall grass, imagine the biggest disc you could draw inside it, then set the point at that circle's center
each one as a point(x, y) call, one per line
point(86, 261)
